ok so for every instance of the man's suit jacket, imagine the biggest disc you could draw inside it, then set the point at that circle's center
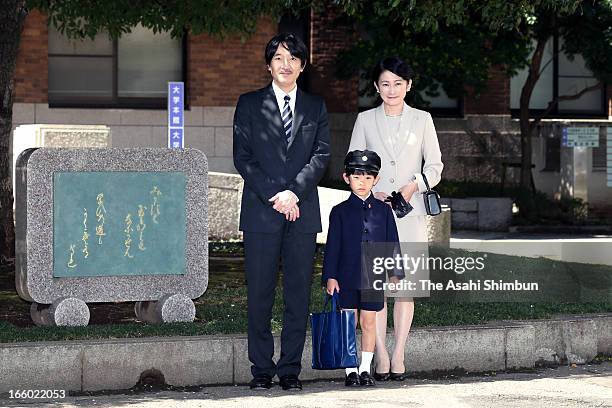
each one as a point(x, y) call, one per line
point(268, 165)
point(350, 223)
point(417, 141)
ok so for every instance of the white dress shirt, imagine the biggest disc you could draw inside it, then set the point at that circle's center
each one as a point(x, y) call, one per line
point(280, 98)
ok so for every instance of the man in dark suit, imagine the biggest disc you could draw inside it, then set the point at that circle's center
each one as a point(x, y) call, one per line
point(281, 149)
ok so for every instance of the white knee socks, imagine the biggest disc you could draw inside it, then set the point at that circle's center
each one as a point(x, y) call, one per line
point(366, 361)
point(351, 370)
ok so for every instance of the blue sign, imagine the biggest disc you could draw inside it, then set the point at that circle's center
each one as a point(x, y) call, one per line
point(176, 115)
point(580, 137)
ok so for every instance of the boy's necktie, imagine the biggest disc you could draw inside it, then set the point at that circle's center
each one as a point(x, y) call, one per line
point(287, 118)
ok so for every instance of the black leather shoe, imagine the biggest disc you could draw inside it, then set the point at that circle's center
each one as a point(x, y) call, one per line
point(381, 376)
point(290, 382)
point(352, 380)
point(397, 376)
point(261, 382)
point(365, 379)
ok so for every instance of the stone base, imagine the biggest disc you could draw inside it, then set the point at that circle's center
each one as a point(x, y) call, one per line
point(439, 227)
point(62, 312)
point(168, 309)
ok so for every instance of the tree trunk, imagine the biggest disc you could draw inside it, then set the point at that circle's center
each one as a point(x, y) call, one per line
point(526, 128)
point(12, 17)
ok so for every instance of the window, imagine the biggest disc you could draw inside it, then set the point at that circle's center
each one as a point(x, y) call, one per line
point(560, 76)
point(130, 72)
point(440, 105)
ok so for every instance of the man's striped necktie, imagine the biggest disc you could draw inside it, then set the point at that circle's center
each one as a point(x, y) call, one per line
point(287, 118)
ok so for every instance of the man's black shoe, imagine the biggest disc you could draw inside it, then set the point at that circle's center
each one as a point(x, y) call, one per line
point(365, 379)
point(352, 380)
point(261, 382)
point(290, 382)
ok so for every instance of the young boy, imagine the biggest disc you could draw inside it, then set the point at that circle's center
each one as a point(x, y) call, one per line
point(361, 218)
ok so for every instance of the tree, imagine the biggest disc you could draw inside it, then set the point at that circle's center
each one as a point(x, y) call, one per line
point(586, 30)
point(86, 18)
point(453, 43)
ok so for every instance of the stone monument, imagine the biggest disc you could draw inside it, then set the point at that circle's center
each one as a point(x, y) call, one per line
point(111, 225)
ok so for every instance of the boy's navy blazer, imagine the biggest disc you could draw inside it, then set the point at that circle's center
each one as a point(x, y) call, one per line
point(350, 223)
point(269, 165)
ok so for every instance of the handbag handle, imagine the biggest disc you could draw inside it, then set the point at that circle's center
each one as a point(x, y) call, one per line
point(425, 180)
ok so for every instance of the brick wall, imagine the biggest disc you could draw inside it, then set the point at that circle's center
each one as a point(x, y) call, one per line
point(494, 100)
point(327, 38)
point(30, 77)
point(220, 70)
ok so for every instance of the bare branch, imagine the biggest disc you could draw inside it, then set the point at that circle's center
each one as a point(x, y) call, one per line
point(545, 65)
point(562, 98)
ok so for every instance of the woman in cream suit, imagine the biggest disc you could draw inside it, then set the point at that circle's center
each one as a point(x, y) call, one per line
point(405, 139)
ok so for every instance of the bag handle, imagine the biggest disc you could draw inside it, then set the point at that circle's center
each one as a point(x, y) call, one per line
point(334, 299)
point(425, 180)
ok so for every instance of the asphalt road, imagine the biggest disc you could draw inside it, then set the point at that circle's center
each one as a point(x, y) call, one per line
point(581, 386)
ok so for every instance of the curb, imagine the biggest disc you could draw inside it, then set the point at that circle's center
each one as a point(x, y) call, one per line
point(93, 365)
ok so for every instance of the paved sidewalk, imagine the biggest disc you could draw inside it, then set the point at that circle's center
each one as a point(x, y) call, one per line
point(582, 386)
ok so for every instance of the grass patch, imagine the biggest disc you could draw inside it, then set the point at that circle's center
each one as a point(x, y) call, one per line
point(223, 308)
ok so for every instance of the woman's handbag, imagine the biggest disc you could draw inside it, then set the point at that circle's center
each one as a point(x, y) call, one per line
point(333, 337)
point(432, 199)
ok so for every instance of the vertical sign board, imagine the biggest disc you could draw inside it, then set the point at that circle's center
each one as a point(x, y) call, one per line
point(580, 137)
point(609, 156)
point(176, 116)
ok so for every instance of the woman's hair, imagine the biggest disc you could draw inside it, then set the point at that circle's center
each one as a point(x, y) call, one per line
point(294, 44)
point(393, 64)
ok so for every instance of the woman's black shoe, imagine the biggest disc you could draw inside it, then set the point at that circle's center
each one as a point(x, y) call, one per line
point(352, 380)
point(397, 376)
point(381, 376)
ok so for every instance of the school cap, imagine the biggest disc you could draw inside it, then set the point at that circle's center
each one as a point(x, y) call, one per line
point(364, 160)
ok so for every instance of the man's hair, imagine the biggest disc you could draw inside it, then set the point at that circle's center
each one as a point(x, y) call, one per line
point(358, 172)
point(294, 44)
point(393, 64)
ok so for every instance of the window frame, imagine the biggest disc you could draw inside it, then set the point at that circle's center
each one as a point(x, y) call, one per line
point(554, 113)
point(115, 101)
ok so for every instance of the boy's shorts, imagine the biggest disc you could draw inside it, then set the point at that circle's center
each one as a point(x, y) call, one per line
point(371, 300)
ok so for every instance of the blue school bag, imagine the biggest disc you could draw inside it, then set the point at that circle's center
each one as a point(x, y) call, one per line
point(333, 337)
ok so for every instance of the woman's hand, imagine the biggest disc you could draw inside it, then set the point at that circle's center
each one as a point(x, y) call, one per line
point(382, 196)
point(408, 190)
point(332, 285)
point(394, 280)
